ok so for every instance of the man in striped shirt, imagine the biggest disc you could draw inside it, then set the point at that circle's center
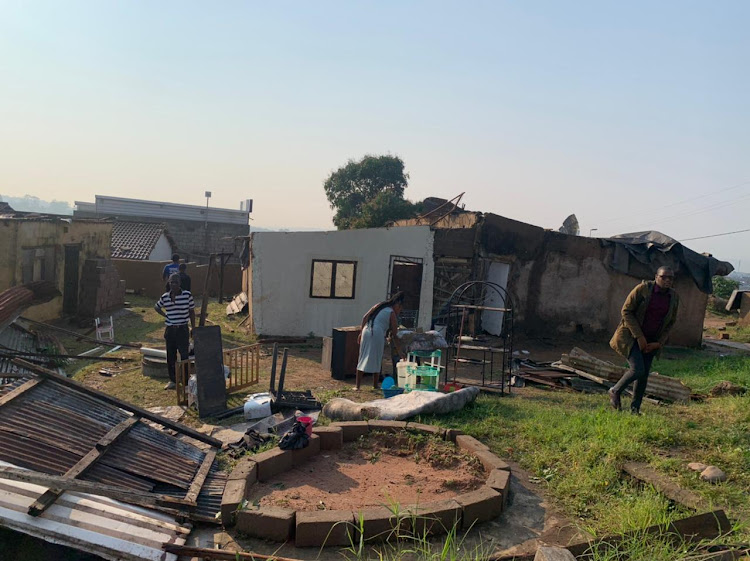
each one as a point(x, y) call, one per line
point(178, 307)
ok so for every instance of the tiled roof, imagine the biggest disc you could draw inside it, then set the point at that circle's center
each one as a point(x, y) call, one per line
point(135, 240)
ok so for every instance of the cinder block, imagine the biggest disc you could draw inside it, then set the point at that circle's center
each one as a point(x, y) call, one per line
point(435, 517)
point(269, 523)
point(312, 449)
point(324, 527)
point(429, 429)
point(331, 438)
point(387, 426)
point(273, 462)
point(234, 494)
point(245, 470)
point(499, 480)
point(480, 506)
point(490, 461)
point(470, 444)
point(381, 524)
point(451, 434)
point(352, 430)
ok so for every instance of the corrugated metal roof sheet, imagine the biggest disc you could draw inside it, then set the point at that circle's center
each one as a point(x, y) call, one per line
point(135, 240)
point(105, 527)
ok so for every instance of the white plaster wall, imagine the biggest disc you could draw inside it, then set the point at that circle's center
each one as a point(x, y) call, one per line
point(162, 250)
point(281, 268)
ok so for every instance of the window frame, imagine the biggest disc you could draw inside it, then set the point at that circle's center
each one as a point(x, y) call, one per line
point(334, 267)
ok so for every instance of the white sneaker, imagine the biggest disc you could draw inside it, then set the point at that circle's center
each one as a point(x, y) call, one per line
point(169, 386)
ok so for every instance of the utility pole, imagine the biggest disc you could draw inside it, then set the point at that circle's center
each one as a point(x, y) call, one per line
point(593, 230)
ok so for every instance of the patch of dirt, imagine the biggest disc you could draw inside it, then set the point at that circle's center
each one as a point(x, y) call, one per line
point(379, 470)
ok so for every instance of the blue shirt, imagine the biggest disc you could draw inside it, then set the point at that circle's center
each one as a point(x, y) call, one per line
point(170, 269)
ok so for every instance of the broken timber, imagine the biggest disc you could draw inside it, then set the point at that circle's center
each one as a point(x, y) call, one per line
point(62, 380)
point(661, 387)
point(84, 464)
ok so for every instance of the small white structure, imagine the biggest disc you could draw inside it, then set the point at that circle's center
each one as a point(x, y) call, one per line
point(141, 241)
point(311, 282)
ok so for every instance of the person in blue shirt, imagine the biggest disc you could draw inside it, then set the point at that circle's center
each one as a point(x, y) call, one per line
point(171, 268)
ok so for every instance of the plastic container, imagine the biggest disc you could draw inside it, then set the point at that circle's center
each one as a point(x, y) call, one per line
point(258, 406)
point(429, 378)
point(404, 377)
point(390, 392)
point(308, 422)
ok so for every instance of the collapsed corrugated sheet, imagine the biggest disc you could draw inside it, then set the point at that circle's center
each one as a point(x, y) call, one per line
point(105, 527)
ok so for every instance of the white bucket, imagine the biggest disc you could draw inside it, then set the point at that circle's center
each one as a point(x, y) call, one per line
point(403, 377)
point(258, 406)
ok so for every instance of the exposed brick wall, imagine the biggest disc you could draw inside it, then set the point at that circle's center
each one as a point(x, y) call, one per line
point(101, 288)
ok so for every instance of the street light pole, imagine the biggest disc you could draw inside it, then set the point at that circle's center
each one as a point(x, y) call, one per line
point(593, 230)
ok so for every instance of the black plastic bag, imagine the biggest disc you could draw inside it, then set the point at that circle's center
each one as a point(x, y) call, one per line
point(295, 438)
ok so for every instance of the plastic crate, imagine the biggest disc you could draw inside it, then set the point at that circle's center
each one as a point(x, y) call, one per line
point(429, 377)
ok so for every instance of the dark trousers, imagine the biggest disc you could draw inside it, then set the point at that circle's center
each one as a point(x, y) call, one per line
point(178, 339)
point(640, 366)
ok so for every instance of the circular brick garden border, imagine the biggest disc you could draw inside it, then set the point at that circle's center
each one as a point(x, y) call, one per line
point(342, 527)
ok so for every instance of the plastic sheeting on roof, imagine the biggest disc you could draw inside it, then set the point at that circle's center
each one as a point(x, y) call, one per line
point(654, 249)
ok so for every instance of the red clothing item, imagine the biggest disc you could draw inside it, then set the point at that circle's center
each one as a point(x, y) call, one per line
point(657, 310)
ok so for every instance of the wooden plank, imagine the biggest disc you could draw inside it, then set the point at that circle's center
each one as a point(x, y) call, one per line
point(218, 554)
point(80, 486)
point(204, 300)
point(664, 485)
point(19, 391)
point(84, 464)
point(63, 381)
point(200, 477)
point(707, 526)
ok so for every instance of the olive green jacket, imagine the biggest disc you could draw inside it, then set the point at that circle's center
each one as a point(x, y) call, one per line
point(633, 312)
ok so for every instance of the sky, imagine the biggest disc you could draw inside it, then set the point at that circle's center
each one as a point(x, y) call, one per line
point(632, 115)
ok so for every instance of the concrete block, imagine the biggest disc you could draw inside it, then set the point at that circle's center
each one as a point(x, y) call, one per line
point(429, 429)
point(324, 527)
point(435, 517)
point(381, 524)
point(302, 455)
point(470, 444)
point(273, 462)
point(268, 523)
point(331, 438)
point(545, 553)
point(234, 494)
point(352, 430)
point(387, 426)
point(245, 470)
point(480, 506)
point(490, 461)
point(499, 480)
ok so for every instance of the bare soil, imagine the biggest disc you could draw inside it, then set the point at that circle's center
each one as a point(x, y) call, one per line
point(379, 470)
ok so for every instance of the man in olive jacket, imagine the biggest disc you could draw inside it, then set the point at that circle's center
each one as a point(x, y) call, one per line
point(648, 315)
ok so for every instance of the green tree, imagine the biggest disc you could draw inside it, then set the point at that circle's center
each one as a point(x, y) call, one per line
point(723, 287)
point(369, 193)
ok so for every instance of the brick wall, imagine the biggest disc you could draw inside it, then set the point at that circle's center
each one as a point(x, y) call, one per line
point(145, 277)
point(101, 288)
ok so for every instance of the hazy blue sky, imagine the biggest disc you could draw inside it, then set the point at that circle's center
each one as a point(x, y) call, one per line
point(625, 113)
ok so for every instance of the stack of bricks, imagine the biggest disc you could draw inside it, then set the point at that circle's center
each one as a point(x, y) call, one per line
point(101, 289)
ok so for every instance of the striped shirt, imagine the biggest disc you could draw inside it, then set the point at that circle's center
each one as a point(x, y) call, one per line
point(178, 312)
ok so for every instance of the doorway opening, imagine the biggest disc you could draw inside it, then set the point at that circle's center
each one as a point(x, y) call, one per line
point(405, 275)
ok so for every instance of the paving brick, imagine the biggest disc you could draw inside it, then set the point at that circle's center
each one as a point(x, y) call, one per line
point(234, 493)
point(480, 506)
point(387, 426)
point(269, 523)
point(246, 470)
point(499, 480)
point(381, 524)
point(324, 527)
point(470, 444)
point(490, 461)
point(429, 429)
point(331, 438)
point(302, 455)
point(273, 462)
point(435, 517)
point(352, 430)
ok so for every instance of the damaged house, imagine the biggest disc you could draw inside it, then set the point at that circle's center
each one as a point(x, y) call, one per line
point(559, 285)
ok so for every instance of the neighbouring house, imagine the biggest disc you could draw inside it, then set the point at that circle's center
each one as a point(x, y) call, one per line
point(142, 241)
point(71, 253)
point(563, 285)
point(311, 282)
point(194, 231)
point(739, 302)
